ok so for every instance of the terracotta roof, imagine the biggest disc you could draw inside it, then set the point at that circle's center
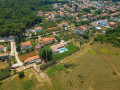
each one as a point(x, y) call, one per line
point(48, 38)
point(38, 28)
point(25, 43)
point(1, 46)
point(55, 48)
point(112, 23)
point(94, 24)
point(31, 58)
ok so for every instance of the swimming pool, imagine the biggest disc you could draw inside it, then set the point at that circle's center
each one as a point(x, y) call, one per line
point(63, 49)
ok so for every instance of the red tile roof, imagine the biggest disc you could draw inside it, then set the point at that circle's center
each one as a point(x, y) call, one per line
point(31, 58)
point(48, 39)
point(1, 46)
point(25, 43)
point(38, 28)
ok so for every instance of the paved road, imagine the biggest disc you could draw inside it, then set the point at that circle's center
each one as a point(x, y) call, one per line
point(12, 48)
point(16, 54)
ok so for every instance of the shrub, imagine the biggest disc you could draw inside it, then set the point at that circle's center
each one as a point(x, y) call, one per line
point(21, 74)
point(44, 66)
point(114, 73)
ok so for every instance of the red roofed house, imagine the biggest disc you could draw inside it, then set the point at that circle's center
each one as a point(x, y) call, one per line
point(81, 29)
point(94, 24)
point(48, 40)
point(38, 29)
point(112, 24)
point(32, 60)
point(26, 45)
point(1, 48)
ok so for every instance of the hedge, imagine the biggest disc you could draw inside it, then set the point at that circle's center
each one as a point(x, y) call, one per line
point(44, 66)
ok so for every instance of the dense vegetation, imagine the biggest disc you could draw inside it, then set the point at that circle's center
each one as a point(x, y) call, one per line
point(111, 36)
point(4, 73)
point(17, 15)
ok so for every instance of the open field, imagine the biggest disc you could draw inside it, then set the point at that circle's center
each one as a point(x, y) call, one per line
point(113, 53)
point(88, 71)
point(31, 81)
point(25, 56)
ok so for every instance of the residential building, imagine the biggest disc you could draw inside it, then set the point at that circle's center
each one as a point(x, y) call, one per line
point(4, 55)
point(56, 49)
point(38, 46)
point(32, 60)
point(81, 29)
point(94, 24)
point(26, 45)
point(102, 22)
point(112, 24)
point(48, 40)
point(38, 29)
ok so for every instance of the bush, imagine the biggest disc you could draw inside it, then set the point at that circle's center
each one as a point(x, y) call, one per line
point(21, 74)
point(4, 73)
point(9, 62)
point(44, 66)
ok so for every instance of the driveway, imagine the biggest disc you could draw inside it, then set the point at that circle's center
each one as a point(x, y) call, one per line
point(16, 54)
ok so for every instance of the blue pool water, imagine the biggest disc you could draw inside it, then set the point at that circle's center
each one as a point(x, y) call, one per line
point(63, 49)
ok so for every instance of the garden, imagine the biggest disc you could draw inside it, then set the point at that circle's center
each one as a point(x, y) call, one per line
point(55, 58)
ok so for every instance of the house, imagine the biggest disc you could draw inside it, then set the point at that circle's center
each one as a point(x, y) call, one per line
point(64, 24)
point(40, 13)
point(77, 21)
point(4, 55)
point(31, 60)
point(26, 45)
point(102, 22)
point(38, 46)
point(112, 24)
point(81, 29)
point(1, 48)
point(38, 29)
point(59, 48)
point(94, 24)
point(62, 9)
point(48, 40)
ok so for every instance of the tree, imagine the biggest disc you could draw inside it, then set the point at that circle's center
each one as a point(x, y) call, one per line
point(21, 74)
point(49, 55)
point(44, 54)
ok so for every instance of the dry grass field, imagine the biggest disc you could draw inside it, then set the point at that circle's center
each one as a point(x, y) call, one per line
point(90, 71)
point(31, 81)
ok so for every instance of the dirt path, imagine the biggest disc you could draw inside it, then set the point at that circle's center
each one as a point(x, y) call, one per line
point(109, 61)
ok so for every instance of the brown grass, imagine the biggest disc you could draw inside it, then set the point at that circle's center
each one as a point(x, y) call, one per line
point(24, 57)
point(3, 64)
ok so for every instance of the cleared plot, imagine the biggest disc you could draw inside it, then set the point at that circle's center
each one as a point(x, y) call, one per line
point(3, 64)
point(29, 82)
point(88, 71)
point(25, 56)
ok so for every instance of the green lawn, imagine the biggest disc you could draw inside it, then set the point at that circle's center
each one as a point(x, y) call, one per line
point(70, 47)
